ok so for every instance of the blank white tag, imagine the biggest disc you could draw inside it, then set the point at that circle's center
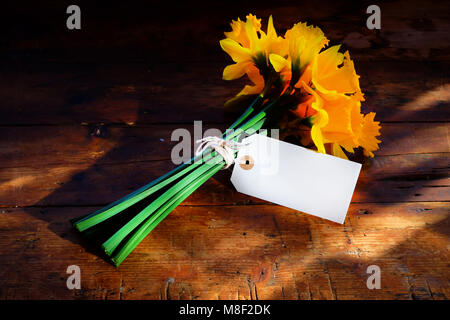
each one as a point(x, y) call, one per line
point(295, 177)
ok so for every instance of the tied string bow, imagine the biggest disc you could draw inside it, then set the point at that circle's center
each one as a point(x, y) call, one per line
point(225, 148)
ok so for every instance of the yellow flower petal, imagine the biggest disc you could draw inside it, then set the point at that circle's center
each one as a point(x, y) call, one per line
point(305, 42)
point(345, 130)
point(254, 20)
point(339, 126)
point(237, 70)
point(320, 119)
point(258, 81)
point(235, 50)
point(271, 32)
point(337, 151)
point(252, 36)
point(370, 129)
point(330, 78)
point(237, 33)
point(271, 42)
point(327, 61)
point(316, 132)
point(278, 62)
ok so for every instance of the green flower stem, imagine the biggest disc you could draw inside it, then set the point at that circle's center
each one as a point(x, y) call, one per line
point(136, 192)
point(191, 175)
point(162, 213)
point(247, 112)
point(143, 192)
point(108, 213)
point(171, 198)
point(111, 244)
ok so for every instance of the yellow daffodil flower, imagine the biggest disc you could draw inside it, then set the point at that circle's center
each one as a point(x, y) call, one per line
point(329, 79)
point(323, 80)
point(249, 48)
point(336, 98)
point(339, 122)
point(304, 44)
point(238, 33)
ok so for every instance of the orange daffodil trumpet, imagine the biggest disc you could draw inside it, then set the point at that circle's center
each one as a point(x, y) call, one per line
point(322, 81)
point(337, 100)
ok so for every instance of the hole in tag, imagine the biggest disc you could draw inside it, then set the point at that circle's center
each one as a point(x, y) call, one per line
point(246, 162)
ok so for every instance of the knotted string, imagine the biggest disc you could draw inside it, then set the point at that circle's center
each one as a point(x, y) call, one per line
point(225, 148)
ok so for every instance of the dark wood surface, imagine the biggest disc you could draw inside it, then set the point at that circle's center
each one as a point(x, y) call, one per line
point(86, 117)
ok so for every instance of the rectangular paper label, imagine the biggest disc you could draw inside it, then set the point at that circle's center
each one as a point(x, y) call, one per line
point(292, 176)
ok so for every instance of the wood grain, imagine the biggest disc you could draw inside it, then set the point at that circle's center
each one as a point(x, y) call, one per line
point(421, 177)
point(79, 165)
point(136, 93)
point(235, 252)
point(42, 146)
point(153, 31)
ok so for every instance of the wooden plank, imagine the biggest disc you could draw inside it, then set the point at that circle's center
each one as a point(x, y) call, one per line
point(97, 165)
point(50, 146)
point(236, 252)
point(73, 93)
point(148, 30)
point(414, 177)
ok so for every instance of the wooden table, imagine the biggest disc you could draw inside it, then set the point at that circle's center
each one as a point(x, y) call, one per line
point(86, 117)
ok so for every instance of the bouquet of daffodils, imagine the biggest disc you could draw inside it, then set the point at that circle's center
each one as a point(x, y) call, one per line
point(299, 84)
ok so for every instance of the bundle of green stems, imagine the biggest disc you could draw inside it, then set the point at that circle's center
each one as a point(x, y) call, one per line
point(120, 226)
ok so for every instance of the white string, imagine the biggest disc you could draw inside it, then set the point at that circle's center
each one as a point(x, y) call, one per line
point(223, 147)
